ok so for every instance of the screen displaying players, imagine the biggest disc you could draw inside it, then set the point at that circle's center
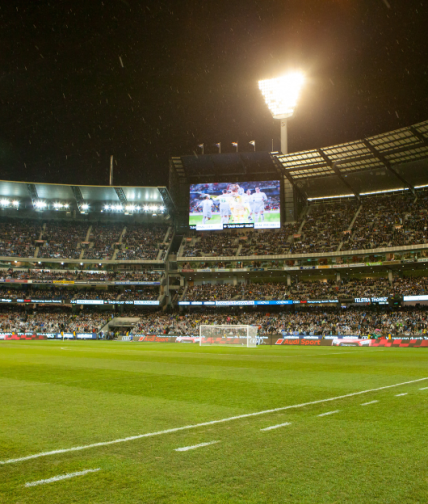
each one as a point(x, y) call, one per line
point(215, 206)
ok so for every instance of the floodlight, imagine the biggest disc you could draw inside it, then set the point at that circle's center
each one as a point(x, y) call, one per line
point(146, 208)
point(57, 206)
point(4, 202)
point(85, 206)
point(130, 208)
point(162, 208)
point(40, 204)
point(281, 94)
point(106, 207)
point(66, 205)
point(15, 203)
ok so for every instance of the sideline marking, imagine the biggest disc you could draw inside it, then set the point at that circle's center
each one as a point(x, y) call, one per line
point(187, 448)
point(399, 395)
point(59, 478)
point(329, 413)
point(425, 388)
point(367, 403)
point(276, 426)
point(203, 424)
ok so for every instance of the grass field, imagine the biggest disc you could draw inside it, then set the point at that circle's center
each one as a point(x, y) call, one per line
point(57, 396)
point(216, 219)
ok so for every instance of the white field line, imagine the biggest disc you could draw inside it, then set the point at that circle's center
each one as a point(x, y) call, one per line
point(203, 424)
point(399, 395)
point(329, 413)
point(367, 403)
point(63, 477)
point(425, 388)
point(276, 426)
point(187, 448)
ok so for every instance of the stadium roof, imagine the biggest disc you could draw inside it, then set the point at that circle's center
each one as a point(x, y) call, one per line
point(28, 192)
point(389, 161)
point(394, 160)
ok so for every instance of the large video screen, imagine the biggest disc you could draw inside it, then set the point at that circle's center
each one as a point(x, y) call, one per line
point(225, 205)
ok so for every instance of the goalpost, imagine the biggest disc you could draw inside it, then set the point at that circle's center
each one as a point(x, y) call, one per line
point(239, 335)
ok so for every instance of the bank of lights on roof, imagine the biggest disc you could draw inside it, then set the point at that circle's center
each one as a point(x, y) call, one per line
point(282, 93)
point(134, 208)
point(4, 203)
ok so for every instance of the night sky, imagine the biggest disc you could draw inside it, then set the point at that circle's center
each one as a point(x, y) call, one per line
point(83, 79)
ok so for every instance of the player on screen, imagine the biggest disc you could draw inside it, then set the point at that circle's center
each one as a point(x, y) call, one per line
point(259, 201)
point(238, 205)
point(224, 200)
point(207, 205)
point(248, 199)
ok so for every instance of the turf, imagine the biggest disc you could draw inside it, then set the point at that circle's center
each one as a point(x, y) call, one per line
point(57, 395)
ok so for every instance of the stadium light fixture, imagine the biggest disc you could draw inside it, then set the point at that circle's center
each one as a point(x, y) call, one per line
point(85, 206)
point(40, 205)
point(15, 203)
point(4, 202)
point(281, 96)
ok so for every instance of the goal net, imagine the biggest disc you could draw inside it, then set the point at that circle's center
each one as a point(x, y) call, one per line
point(241, 335)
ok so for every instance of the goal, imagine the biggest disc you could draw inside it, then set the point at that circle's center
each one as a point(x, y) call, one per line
point(241, 335)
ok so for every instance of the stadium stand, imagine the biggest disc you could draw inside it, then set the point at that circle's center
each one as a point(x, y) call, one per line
point(316, 321)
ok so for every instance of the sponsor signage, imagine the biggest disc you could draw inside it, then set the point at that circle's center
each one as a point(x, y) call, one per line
point(113, 302)
point(65, 282)
point(415, 298)
point(378, 300)
point(136, 283)
point(280, 302)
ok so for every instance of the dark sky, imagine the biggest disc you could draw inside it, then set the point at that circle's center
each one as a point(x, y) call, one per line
point(83, 79)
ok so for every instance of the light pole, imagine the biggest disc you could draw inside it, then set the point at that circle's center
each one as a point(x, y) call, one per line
point(253, 143)
point(235, 144)
point(281, 96)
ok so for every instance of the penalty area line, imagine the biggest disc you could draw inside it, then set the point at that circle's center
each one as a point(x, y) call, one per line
point(203, 424)
point(62, 477)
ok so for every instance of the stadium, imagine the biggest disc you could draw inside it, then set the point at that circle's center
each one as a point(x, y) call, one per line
point(213, 252)
point(207, 341)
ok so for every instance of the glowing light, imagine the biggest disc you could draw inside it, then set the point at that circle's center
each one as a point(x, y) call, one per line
point(15, 203)
point(282, 94)
point(40, 204)
point(85, 206)
point(4, 202)
point(106, 207)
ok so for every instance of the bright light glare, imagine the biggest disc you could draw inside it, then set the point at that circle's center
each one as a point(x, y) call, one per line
point(58, 205)
point(85, 206)
point(130, 208)
point(281, 94)
point(162, 208)
point(15, 203)
point(40, 204)
point(106, 207)
point(4, 202)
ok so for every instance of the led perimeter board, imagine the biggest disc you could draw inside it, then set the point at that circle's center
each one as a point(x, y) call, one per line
point(227, 205)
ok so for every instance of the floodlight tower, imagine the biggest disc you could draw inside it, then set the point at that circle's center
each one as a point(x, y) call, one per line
point(281, 96)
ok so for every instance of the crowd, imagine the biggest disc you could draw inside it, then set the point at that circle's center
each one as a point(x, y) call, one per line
point(67, 240)
point(62, 240)
point(309, 290)
point(34, 293)
point(17, 237)
point(140, 244)
point(148, 294)
point(324, 228)
point(316, 321)
point(94, 294)
point(51, 321)
point(80, 275)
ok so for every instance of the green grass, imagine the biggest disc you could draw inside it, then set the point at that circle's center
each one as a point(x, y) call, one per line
point(59, 395)
point(216, 219)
